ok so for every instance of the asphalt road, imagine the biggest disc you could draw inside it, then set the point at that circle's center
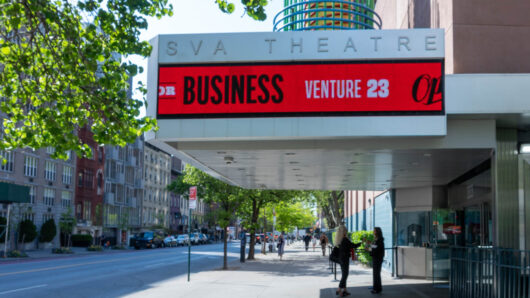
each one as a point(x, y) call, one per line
point(108, 275)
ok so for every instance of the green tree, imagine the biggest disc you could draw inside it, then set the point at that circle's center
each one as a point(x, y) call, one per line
point(48, 231)
point(331, 204)
point(256, 200)
point(27, 231)
point(228, 198)
point(67, 224)
point(63, 69)
point(290, 216)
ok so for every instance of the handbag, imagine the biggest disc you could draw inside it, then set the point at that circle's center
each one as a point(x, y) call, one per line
point(334, 256)
point(353, 255)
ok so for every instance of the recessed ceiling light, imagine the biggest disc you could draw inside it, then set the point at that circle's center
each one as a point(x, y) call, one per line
point(290, 153)
point(350, 170)
point(415, 163)
point(427, 155)
point(293, 162)
point(240, 169)
point(357, 154)
point(353, 162)
point(221, 152)
point(298, 175)
point(296, 169)
point(300, 180)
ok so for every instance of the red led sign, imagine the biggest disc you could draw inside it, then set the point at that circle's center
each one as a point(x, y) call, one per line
point(303, 89)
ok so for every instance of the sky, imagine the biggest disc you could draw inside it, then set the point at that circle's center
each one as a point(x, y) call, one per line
point(202, 16)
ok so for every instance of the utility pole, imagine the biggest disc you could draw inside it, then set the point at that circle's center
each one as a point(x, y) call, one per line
point(192, 205)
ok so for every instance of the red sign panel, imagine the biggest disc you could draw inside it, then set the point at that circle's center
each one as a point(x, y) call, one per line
point(303, 89)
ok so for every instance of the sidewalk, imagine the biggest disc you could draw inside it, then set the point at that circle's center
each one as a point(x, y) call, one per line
point(300, 274)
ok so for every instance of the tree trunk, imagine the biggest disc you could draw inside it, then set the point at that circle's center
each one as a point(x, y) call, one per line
point(253, 223)
point(336, 207)
point(329, 218)
point(225, 257)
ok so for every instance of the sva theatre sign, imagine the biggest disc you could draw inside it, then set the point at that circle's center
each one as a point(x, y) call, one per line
point(393, 73)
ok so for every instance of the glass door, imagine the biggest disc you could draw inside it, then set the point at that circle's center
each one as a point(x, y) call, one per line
point(445, 230)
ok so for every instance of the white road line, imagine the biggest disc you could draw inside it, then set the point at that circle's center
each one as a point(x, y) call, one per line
point(156, 265)
point(21, 289)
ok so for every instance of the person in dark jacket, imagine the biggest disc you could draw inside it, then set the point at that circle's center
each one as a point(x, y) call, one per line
point(377, 251)
point(345, 247)
point(307, 239)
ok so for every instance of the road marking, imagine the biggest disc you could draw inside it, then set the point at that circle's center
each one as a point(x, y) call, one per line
point(67, 266)
point(156, 265)
point(21, 289)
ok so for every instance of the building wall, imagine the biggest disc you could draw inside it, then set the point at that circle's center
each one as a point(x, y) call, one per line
point(477, 32)
point(157, 174)
point(89, 179)
point(40, 209)
point(123, 189)
point(364, 210)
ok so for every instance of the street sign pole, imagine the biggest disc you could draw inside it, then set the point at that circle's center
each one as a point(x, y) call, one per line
point(192, 204)
point(189, 242)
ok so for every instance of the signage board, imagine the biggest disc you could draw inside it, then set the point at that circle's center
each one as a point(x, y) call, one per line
point(285, 89)
point(193, 197)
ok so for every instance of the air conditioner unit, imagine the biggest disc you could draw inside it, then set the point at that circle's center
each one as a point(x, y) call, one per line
point(30, 179)
point(67, 186)
point(50, 183)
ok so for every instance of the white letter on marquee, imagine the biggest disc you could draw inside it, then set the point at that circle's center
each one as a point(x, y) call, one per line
point(196, 50)
point(375, 39)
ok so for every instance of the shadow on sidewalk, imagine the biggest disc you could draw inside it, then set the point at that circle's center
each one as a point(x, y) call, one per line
point(399, 291)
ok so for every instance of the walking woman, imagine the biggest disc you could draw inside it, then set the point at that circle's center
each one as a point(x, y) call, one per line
point(377, 251)
point(345, 247)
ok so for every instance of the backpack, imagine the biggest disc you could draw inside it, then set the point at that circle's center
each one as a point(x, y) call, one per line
point(334, 256)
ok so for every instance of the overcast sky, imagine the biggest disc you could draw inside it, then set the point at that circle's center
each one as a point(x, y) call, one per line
point(203, 16)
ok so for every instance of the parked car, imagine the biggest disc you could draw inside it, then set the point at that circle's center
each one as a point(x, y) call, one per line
point(203, 239)
point(183, 239)
point(195, 239)
point(148, 239)
point(170, 241)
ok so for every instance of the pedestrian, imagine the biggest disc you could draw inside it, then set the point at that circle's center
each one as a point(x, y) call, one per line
point(323, 243)
point(307, 239)
point(314, 241)
point(281, 245)
point(377, 251)
point(345, 248)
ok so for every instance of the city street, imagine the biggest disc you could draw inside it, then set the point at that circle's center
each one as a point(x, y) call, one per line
point(107, 275)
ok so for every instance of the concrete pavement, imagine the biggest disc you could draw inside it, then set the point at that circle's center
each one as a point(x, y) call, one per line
point(300, 274)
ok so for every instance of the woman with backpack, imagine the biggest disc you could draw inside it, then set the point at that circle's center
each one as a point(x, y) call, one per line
point(345, 247)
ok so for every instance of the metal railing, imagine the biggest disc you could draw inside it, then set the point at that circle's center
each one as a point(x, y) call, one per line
point(489, 272)
point(299, 15)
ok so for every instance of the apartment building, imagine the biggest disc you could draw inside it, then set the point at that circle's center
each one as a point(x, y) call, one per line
point(89, 187)
point(123, 190)
point(157, 175)
point(175, 211)
point(51, 187)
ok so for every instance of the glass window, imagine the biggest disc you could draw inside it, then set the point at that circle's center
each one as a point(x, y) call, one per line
point(9, 157)
point(30, 166)
point(32, 194)
point(66, 199)
point(49, 171)
point(49, 196)
point(67, 175)
point(413, 228)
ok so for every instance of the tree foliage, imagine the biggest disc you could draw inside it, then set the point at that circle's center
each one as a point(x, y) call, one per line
point(27, 231)
point(227, 197)
point(331, 204)
point(61, 69)
point(292, 215)
point(67, 224)
point(48, 231)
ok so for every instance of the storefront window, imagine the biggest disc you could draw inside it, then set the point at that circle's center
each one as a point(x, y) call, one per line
point(413, 228)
